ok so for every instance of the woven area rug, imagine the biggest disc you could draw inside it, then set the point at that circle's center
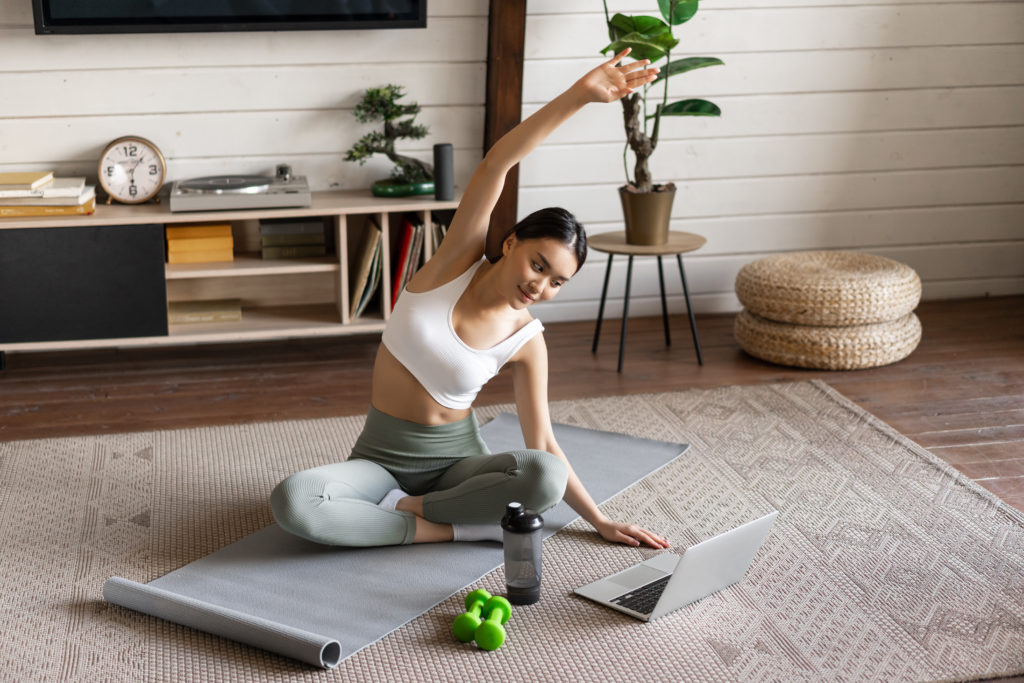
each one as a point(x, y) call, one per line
point(885, 564)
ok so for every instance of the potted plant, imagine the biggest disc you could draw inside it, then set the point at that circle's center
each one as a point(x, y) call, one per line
point(410, 176)
point(647, 206)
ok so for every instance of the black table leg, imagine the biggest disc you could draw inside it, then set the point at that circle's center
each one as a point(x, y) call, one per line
point(625, 310)
point(689, 310)
point(664, 305)
point(600, 309)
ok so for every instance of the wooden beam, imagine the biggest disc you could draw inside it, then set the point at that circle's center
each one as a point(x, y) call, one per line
point(506, 34)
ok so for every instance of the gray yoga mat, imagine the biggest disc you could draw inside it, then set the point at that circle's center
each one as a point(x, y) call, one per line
point(320, 604)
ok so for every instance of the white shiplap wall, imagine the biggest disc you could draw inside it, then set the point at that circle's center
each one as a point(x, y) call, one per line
point(238, 102)
point(894, 127)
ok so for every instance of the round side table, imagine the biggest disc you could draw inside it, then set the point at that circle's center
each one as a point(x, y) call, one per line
point(613, 243)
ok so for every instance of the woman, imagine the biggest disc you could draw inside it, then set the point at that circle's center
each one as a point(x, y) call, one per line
point(419, 471)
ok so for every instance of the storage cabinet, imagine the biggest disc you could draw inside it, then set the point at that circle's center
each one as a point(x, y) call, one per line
point(88, 283)
point(284, 298)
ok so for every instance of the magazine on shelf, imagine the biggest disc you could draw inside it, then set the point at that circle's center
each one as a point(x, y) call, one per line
point(368, 253)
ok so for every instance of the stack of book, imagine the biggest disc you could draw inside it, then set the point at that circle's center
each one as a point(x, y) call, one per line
point(200, 243)
point(407, 258)
point(41, 194)
point(369, 263)
point(292, 238)
point(218, 311)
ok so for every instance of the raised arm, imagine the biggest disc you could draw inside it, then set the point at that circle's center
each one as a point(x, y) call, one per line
point(467, 236)
point(530, 380)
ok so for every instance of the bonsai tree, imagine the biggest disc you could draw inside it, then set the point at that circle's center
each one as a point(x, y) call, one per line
point(652, 38)
point(381, 104)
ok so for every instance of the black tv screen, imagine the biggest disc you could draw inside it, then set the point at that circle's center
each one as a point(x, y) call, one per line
point(172, 16)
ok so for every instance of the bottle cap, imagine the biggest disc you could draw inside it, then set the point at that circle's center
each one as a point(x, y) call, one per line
point(521, 520)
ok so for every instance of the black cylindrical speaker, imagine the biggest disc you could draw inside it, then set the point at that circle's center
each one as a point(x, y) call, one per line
point(444, 172)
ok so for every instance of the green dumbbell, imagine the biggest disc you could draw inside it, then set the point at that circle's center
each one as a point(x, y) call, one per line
point(490, 634)
point(466, 623)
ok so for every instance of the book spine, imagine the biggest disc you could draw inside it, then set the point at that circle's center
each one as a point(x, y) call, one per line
point(36, 210)
point(293, 252)
point(223, 317)
point(176, 244)
point(292, 228)
point(78, 199)
point(289, 240)
point(205, 256)
point(186, 231)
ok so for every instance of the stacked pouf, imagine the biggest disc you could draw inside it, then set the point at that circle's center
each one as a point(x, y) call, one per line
point(832, 310)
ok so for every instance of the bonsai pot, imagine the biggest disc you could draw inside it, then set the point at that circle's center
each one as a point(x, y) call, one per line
point(647, 214)
point(389, 188)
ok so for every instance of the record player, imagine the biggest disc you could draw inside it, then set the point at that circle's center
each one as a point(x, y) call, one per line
point(217, 193)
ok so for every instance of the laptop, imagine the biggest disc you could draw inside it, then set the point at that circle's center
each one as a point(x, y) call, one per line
point(653, 588)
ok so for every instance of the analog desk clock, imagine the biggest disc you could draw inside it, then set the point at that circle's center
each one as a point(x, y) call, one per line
point(132, 170)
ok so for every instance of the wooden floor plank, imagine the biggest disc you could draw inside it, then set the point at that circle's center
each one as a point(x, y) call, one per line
point(994, 469)
point(960, 394)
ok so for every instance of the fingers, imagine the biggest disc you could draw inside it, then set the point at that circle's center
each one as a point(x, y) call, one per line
point(635, 536)
point(618, 58)
point(642, 76)
point(633, 66)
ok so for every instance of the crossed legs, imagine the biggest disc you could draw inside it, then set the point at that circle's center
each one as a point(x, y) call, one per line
point(337, 504)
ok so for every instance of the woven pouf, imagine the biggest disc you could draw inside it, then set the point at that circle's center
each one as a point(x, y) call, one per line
point(828, 288)
point(850, 347)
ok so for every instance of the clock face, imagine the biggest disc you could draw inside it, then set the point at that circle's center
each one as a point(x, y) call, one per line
point(132, 170)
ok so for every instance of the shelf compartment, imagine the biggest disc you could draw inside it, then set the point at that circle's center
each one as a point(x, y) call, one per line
point(250, 264)
point(275, 322)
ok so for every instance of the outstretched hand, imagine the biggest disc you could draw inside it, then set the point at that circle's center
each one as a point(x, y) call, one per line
point(612, 80)
point(630, 534)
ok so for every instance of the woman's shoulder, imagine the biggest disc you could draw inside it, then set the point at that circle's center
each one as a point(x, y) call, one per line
point(437, 273)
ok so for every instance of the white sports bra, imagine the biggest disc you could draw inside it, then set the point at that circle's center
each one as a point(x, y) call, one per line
point(421, 336)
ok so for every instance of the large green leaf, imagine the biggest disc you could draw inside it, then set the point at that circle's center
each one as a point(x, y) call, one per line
point(644, 47)
point(679, 66)
point(649, 26)
point(682, 11)
point(689, 108)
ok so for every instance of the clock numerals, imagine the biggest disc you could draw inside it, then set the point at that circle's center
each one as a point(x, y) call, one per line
point(132, 169)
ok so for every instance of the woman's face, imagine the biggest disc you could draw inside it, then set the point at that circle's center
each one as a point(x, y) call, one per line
point(537, 267)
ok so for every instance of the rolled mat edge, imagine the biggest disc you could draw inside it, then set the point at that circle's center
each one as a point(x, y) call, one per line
point(245, 628)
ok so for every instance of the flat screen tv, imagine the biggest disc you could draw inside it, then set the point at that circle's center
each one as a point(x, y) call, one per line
point(176, 16)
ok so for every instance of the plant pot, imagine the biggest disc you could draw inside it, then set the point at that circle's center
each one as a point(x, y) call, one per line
point(647, 214)
point(389, 188)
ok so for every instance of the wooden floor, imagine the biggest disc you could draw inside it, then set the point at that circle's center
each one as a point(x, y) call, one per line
point(960, 394)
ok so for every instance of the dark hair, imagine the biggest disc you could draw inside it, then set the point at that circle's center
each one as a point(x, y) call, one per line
point(555, 223)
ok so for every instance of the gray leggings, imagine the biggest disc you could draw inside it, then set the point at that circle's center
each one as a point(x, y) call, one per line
point(449, 465)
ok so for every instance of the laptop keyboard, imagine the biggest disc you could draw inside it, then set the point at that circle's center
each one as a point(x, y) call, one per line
point(643, 599)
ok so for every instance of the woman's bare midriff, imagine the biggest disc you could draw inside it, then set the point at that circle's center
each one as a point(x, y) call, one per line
point(396, 392)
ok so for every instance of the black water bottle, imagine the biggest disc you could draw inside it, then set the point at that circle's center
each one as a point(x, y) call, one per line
point(521, 531)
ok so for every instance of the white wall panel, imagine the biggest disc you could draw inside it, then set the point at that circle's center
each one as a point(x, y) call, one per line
point(791, 114)
point(887, 126)
point(796, 28)
point(257, 88)
point(893, 127)
point(784, 155)
point(238, 102)
point(810, 71)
